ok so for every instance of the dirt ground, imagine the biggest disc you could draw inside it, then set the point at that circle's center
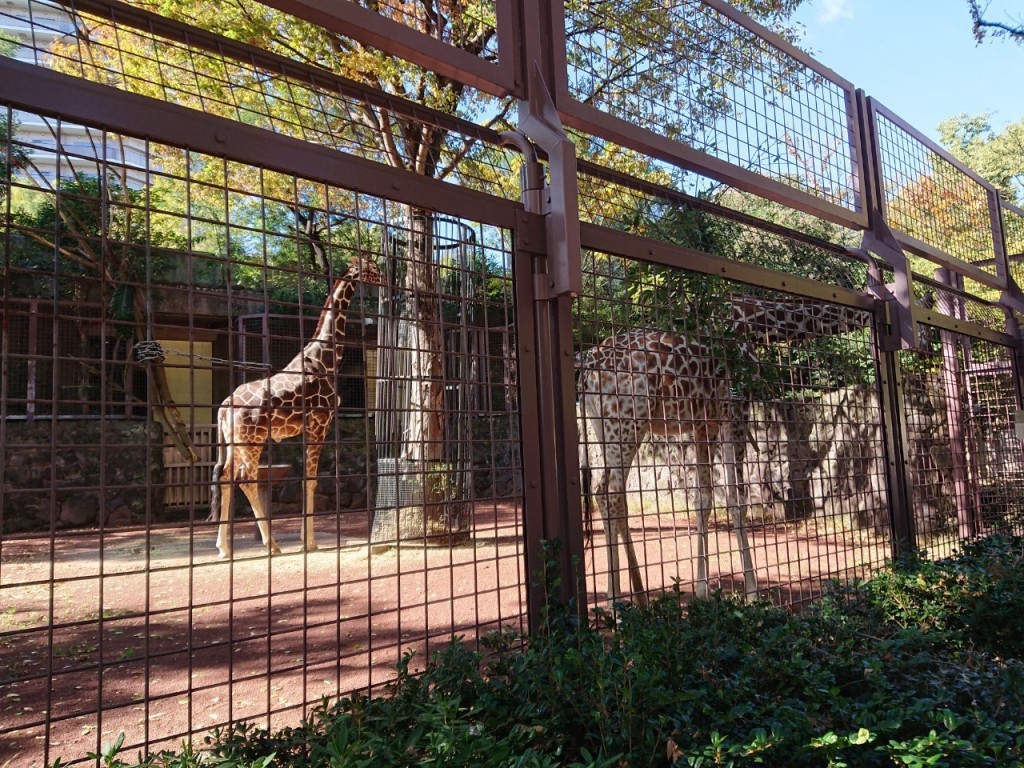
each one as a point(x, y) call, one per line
point(147, 632)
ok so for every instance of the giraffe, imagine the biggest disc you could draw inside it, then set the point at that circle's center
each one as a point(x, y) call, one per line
point(648, 383)
point(299, 400)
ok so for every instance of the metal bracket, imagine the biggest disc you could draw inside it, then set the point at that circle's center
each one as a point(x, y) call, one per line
point(1012, 299)
point(899, 298)
point(538, 120)
point(531, 234)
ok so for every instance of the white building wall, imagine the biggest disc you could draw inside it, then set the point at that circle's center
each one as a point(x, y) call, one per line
point(35, 25)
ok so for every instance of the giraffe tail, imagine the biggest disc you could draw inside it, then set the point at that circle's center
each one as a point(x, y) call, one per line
point(586, 485)
point(215, 480)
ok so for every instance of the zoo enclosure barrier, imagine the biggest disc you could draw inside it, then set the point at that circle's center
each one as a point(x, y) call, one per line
point(884, 424)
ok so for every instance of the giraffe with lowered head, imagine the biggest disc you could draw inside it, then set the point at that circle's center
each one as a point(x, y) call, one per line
point(644, 383)
point(301, 400)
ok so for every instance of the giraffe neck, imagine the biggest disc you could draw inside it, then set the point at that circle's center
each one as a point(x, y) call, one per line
point(765, 321)
point(323, 350)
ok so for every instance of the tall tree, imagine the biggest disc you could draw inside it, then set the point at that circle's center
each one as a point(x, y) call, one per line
point(687, 40)
point(996, 155)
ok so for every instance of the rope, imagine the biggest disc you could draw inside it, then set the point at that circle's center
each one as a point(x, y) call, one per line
point(153, 351)
point(149, 351)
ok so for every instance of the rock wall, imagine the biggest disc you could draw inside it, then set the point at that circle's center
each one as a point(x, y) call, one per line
point(826, 457)
point(343, 472)
point(347, 474)
point(818, 457)
point(55, 475)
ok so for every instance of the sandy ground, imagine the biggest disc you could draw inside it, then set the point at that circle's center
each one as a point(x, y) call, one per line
point(147, 632)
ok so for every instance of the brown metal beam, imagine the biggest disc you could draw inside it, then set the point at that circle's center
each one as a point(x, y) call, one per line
point(681, 198)
point(33, 88)
point(965, 268)
point(316, 77)
point(966, 327)
point(632, 246)
point(352, 20)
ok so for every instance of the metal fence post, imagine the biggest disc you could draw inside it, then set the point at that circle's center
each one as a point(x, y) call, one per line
point(900, 333)
point(550, 458)
point(958, 391)
point(552, 277)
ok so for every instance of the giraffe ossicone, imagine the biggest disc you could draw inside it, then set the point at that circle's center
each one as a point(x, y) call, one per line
point(299, 400)
point(644, 383)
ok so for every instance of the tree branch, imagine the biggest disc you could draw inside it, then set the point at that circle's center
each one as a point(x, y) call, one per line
point(983, 26)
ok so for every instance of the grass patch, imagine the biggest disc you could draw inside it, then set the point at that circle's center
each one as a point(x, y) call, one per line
point(919, 666)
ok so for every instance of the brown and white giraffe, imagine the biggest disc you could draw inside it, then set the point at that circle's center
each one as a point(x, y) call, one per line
point(644, 384)
point(299, 400)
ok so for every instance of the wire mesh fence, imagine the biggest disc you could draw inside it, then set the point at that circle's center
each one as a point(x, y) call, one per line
point(932, 199)
point(1013, 232)
point(691, 387)
point(698, 73)
point(959, 395)
point(732, 227)
point(130, 312)
point(169, 297)
point(263, 83)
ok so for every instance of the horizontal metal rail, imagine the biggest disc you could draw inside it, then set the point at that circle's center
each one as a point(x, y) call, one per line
point(631, 246)
point(26, 86)
point(352, 20)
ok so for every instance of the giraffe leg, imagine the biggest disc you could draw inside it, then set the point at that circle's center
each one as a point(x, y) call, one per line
point(739, 518)
point(250, 487)
point(705, 500)
point(227, 491)
point(605, 505)
point(308, 533)
point(611, 535)
point(611, 490)
point(636, 581)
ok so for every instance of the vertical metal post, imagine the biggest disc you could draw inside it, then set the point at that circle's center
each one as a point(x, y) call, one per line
point(995, 215)
point(894, 415)
point(957, 392)
point(900, 333)
point(548, 267)
point(550, 455)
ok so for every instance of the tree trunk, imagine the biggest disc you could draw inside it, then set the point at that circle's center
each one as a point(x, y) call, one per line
point(438, 515)
point(424, 433)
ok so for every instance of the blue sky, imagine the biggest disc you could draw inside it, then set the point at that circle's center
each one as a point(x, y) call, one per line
point(918, 57)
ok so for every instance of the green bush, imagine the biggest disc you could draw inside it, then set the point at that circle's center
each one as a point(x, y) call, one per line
point(912, 668)
point(975, 595)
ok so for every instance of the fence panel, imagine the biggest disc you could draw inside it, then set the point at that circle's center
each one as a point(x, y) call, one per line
point(119, 615)
point(678, 369)
point(702, 86)
point(1013, 234)
point(938, 207)
point(965, 462)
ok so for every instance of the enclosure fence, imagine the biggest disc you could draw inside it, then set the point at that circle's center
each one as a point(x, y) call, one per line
point(474, 307)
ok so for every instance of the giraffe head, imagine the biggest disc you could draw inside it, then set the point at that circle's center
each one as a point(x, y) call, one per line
point(363, 270)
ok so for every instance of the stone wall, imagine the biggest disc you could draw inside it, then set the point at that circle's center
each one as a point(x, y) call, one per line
point(80, 472)
point(344, 471)
point(826, 457)
point(818, 457)
point(347, 473)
